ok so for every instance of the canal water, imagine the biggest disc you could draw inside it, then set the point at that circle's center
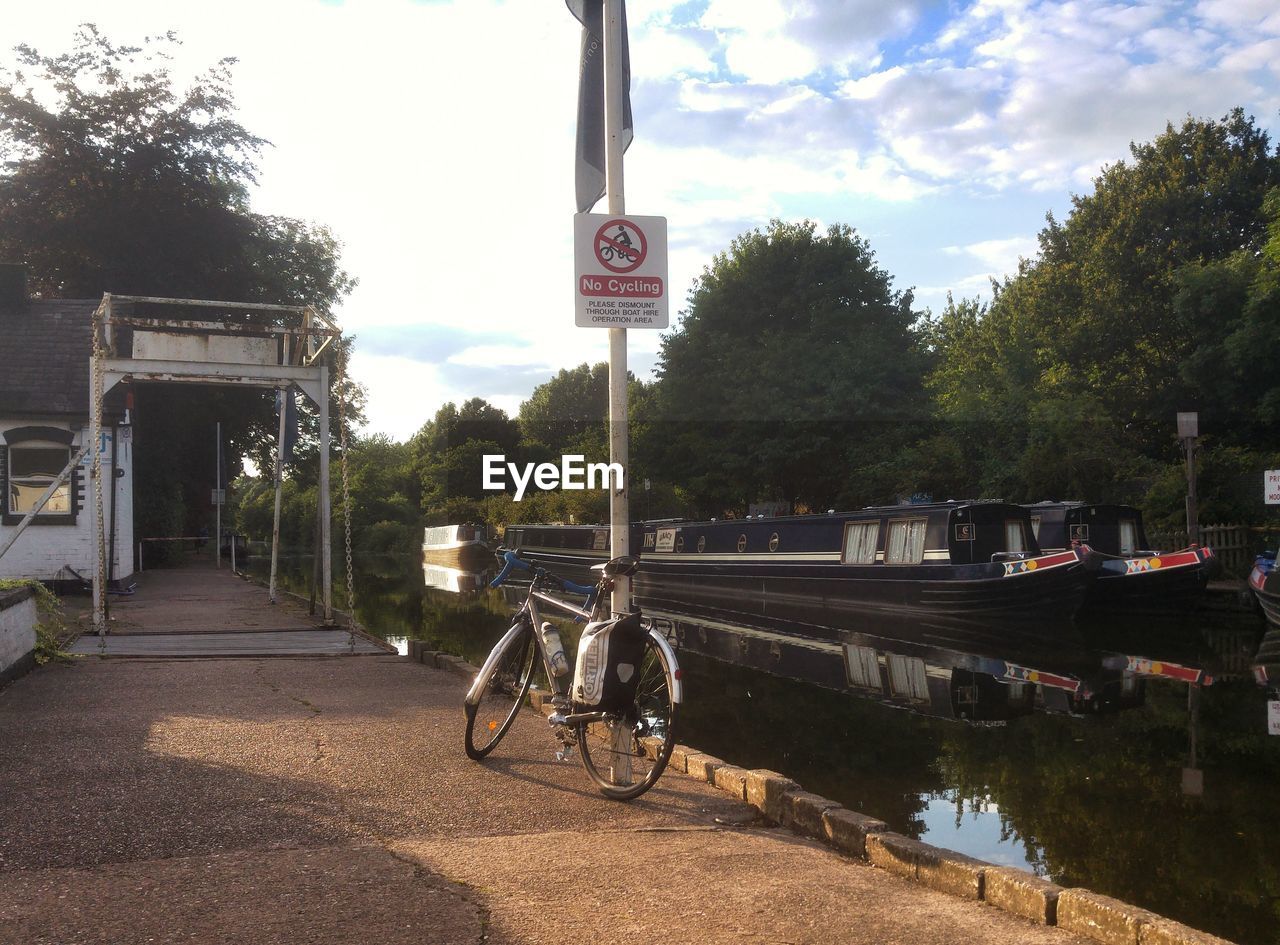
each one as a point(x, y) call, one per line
point(1162, 789)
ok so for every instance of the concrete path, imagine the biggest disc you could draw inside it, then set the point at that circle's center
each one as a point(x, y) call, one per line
point(325, 801)
point(207, 612)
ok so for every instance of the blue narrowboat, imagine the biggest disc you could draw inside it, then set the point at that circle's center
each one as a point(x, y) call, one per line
point(972, 560)
point(1131, 574)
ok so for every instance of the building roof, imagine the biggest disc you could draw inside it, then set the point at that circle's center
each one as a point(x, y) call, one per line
point(45, 347)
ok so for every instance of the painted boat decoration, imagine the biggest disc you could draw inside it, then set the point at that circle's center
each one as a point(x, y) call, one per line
point(1131, 575)
point(1264, 581)
point(960, 560)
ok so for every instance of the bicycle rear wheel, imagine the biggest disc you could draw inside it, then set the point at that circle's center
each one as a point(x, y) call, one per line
point(625, 757)
point(502, 695)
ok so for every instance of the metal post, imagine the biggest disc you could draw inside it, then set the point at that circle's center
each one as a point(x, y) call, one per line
point(619, 506)
point(95, 431)
point(233, 553)
point(1188, 432)
point(275, 524)
point(217, 499)
point(326, 516)
point(614, 97)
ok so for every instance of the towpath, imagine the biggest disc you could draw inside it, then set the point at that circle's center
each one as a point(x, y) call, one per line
point(328, 800)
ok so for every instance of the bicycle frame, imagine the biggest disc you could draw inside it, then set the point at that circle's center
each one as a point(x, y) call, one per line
point(560, 684)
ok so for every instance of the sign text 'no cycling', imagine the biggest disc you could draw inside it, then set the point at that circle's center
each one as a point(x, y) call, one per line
point(620, 267)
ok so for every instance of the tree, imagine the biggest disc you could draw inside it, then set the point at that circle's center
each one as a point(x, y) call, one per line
point(1141, 303)
point(115, 180)
point(795, 374)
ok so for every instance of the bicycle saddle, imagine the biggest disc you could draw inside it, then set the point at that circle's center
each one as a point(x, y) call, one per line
point(618, 567)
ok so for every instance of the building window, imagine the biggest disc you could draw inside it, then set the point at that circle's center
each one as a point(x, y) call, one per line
point(905, 542)
point(32, 469)
point(860, 542)
point(31, 460)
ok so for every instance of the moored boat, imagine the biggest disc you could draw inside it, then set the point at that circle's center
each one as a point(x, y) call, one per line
point(445, 538)
point(966, 560)
point(1264, 581)
point(1131, 575)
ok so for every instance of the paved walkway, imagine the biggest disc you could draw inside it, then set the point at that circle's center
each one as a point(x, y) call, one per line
point(207, 612)
point(324, 801)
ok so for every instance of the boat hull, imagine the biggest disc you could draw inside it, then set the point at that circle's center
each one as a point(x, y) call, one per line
point(810, 595)
point(1265, 584)
point(1151, 584)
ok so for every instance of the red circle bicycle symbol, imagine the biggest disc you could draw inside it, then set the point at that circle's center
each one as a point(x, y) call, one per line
point(620, 246)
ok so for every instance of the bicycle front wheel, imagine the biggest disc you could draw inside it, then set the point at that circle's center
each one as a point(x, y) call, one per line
point(501, 695)
point(626, 755)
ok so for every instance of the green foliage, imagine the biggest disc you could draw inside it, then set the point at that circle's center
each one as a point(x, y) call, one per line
point(795, 374)
point(51, 628)
point(115, 179)
point(1154, 296)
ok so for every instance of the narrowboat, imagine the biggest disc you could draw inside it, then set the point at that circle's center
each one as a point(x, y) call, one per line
point(1264, 581)
point(963, 560)
point(1131, 574)
point(453, 537)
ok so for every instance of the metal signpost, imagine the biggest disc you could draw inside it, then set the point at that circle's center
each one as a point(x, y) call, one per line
point(621, 261)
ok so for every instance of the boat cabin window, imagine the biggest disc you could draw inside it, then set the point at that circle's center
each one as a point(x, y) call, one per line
point(863, 667)
point(860, 542)
point(1128, 536)
point(905, 541)
point(908, 678)
point(1014, 539)
point(1035, 526)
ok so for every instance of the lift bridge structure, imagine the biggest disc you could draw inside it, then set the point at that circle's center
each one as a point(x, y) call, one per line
point(234, 344)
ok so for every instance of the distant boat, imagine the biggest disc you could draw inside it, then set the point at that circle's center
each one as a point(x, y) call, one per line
point(1264, 580)
point(1131, 574)
point(967, 560)
point(452, 537)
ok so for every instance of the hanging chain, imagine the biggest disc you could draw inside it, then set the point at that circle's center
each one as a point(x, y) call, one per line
point(346, 491)
point(95, 431)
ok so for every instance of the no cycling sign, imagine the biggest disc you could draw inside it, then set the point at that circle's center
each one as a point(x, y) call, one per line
point(620, 270)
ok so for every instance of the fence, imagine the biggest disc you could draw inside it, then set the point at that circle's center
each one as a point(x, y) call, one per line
point(1235, 545)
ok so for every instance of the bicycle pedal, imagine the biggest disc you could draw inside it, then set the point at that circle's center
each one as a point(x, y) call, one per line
point(565, 753)
point(556, 718)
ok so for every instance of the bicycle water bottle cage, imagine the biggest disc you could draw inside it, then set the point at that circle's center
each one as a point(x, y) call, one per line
point(624, 566)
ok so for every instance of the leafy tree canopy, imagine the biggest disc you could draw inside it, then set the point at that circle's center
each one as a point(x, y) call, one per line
point(116, 180)
point(794, 374)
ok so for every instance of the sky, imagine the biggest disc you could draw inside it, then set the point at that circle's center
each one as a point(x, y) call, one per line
point(436, 140)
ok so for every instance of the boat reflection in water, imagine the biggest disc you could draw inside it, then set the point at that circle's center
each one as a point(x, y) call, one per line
point(455, 579)
point(946, 669)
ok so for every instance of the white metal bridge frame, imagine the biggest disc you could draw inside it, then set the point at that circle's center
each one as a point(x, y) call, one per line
point(299, 366)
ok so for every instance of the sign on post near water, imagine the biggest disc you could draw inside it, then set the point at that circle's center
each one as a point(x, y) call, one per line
point(620, 271)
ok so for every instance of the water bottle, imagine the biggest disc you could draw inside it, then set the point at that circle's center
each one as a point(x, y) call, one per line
point(555, 650)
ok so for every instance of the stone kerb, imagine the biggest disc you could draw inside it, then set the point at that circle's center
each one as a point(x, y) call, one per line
point(17, 632)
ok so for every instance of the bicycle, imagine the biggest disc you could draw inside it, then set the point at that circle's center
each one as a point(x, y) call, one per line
point(624, 751)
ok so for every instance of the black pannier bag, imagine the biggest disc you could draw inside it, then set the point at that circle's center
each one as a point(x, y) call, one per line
point(608, 667)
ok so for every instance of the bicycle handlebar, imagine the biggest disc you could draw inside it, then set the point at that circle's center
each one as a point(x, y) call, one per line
point(515, 563)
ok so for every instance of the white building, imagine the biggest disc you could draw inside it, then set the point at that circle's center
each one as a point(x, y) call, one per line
point(45, 349)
